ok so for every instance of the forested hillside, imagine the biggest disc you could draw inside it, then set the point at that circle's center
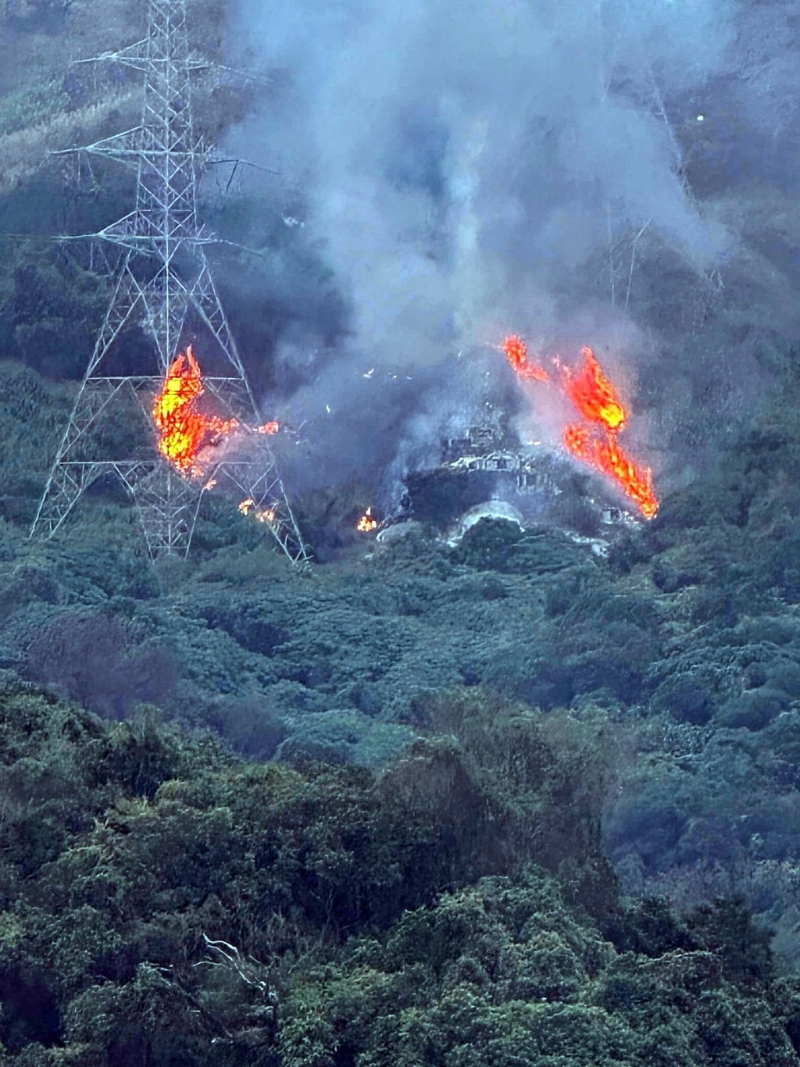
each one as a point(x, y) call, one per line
point(526, 796)
point(235, 793)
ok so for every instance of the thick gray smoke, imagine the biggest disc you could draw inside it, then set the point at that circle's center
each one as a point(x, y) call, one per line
point(466, 170)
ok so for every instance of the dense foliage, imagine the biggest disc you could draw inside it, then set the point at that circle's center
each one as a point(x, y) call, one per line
point(531, 798)
point(163, 901)
point(437, 749)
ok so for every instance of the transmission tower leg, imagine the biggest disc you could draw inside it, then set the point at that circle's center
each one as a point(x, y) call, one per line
point(72, 472)
point(263, 494)
point(167, 506)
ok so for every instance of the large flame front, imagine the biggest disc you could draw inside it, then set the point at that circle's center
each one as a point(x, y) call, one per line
point(597, 401)
point(183, 429)
point(605, 454)
point(593, 394)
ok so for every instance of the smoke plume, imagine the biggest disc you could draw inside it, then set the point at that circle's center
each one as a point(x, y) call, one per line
point(557, 169)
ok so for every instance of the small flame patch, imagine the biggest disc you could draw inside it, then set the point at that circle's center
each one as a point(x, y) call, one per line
point(517, 355)
point(367, 523)
point(248, 507)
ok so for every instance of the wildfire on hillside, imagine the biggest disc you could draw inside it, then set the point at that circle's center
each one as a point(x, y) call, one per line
point(184, 430)
point(517, 353)
point(594, 441)
point(593, 394)
point(367, 523)
point(249, 507)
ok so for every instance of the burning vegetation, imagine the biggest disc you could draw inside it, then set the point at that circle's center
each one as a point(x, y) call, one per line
point(517, 352)
point(367, 523)
point(261, 514)
point(594, 440)
point(184, 430)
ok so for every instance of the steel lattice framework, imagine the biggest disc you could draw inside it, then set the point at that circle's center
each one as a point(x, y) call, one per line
point(162, 277)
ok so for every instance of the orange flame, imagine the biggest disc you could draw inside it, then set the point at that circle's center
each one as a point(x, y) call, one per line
point(593, 394)
point(606, 455)
point(597, 401)
point(517, 354)
point(183, 430)
point(248, 507)
point(367, 523)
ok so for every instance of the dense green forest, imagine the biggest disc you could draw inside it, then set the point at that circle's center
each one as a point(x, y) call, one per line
point(505, 802)
point(526, 797)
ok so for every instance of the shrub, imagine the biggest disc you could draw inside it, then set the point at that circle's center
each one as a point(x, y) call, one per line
point(94, 660)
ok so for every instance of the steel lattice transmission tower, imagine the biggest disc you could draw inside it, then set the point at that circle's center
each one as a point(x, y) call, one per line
point(161, 282)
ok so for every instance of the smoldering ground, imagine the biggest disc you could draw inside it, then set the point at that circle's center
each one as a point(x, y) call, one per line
point(568, 171)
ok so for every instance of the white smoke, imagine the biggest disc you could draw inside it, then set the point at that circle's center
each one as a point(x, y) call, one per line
point(462, 166)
